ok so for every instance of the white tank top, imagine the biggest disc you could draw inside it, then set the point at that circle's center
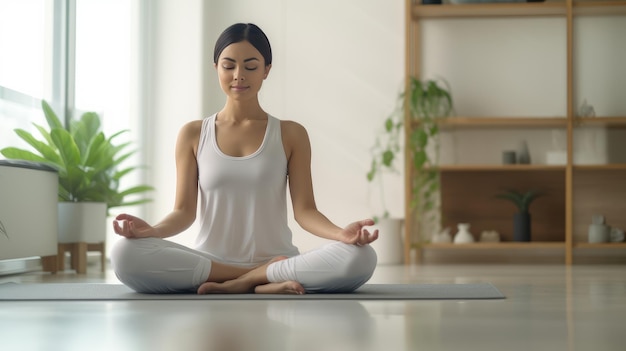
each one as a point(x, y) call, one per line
point(243, 204)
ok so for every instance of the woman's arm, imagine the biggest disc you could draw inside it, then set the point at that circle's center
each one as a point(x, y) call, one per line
point(184, 212)
point(298, 150)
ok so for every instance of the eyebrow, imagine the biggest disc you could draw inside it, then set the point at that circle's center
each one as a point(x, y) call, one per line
point(246, 60)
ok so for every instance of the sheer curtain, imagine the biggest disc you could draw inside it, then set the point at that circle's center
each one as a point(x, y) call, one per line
point(109, 73)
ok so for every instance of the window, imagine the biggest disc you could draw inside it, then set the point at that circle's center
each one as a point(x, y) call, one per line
point(31, 64)
point(75, 54)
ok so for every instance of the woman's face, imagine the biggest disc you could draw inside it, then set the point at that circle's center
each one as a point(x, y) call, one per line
point(241, 70)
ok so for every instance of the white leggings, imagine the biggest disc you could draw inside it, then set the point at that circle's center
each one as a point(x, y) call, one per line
point(153, 265)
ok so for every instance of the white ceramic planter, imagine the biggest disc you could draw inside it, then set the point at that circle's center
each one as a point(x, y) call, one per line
point(388, 247)
point(82, 222)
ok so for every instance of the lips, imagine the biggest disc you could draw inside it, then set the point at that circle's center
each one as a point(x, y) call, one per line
point(239, 87)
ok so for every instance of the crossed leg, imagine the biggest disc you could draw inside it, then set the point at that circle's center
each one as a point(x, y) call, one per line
point(336, 267)
point(252, 281)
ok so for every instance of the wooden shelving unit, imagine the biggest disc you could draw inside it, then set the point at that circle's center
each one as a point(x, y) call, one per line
point(576, 190)
point(497, 246)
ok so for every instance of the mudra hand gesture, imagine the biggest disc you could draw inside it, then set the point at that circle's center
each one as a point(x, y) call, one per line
point(133, 227)
point(355, 233)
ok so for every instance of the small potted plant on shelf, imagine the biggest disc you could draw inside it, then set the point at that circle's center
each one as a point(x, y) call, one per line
point(521, 219)
point(426, 103)
point(88, 166)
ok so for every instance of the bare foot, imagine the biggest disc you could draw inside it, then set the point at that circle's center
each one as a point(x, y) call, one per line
point(235, 286)
point(244, 284)
point(288, 287)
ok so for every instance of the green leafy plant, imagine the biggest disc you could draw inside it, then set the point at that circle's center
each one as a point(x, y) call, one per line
point(426, 103)
point(521, 200)
point(86, 160)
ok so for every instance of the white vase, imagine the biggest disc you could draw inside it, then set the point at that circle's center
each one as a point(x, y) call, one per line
point(388, 246)
point(82, 222)
point(463, 236)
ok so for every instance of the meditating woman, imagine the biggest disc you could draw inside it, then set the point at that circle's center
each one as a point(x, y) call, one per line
point(240, 161)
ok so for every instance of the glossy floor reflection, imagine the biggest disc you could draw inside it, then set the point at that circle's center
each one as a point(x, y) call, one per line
point(548, 307)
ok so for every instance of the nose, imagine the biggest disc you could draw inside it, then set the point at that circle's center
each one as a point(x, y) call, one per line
point(238, 76)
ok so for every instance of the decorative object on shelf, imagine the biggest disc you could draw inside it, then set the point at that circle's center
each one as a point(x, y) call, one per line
point(488, 1)
point(443, 237)
point(463, 235)
point(521, 219)
point(598, 230)
point(523, 155)
point(87, 162)
point(556, 158)
point(427, 103)
point(586, 110)
point(509, 157)
point(489, 236)
point(616, 235)
point(558, 154)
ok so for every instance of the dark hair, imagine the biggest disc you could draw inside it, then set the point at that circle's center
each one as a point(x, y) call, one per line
point(244, 32)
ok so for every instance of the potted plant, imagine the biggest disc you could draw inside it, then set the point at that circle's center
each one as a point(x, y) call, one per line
point(521, 219)
point(424, 104)
point(88, 164)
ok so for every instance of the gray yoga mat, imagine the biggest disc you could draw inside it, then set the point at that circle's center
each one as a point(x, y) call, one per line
point(108, 292)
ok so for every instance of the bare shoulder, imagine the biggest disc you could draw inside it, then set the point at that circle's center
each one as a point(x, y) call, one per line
point(191, 128)
point(295, 139)
point(293, 130)
point(189, 135)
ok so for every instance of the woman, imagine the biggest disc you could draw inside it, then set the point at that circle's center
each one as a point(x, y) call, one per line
point(241, 160)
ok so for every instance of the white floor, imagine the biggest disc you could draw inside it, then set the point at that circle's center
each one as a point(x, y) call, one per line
point(548, 307)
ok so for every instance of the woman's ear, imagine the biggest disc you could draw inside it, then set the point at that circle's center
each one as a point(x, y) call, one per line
point(267, 70)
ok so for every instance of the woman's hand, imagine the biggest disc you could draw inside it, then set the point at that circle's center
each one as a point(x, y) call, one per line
point(133, 227)
point(356, 234)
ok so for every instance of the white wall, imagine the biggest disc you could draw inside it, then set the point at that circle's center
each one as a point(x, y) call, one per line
point(338, 67)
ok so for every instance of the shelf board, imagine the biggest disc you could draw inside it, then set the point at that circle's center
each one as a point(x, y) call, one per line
point(497, 246)
point(600, 121)
point(509, 122)
point(582, 8)
point(550, 8)
point(615, 166)
point(600, 245)
point(529, 122)
point(490, 10)
point(501, 168)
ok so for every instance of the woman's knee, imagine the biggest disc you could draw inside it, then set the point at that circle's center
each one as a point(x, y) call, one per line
point(125, 251)
point(355, 268)
point(128, 259)
point(362, 261)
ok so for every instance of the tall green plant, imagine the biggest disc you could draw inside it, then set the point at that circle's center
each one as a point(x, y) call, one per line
point(426, 103)
point(86, 160)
